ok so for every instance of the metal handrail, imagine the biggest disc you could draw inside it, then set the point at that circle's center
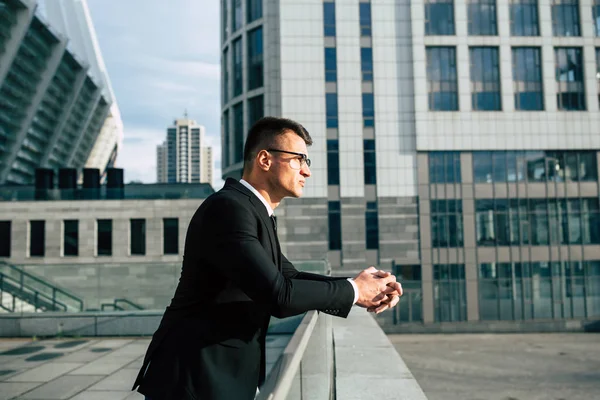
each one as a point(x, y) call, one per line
point(28, 294)
point(128, 302)
point(44, 285)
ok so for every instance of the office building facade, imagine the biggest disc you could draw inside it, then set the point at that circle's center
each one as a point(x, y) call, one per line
point(454, 141)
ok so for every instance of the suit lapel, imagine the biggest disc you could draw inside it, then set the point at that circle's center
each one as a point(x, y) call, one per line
point(264, 216)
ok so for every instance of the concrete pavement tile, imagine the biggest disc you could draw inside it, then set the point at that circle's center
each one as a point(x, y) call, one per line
point(8, 390)
point(136, 364)
point(120, 380)
point(84, 355)
point(45, 373)
point(135, 396)
point(102, 395)
point(112, 344)
point(61, 388)
point(99, 367)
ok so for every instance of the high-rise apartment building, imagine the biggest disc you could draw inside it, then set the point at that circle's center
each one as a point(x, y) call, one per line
point(455, 140)
point(182, 157)
point(52, 108)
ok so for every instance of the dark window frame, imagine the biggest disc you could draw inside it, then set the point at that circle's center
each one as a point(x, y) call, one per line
point(570, 93)
point(334, 220)
point(170, 241)
point(442, 75)
point(524, 18)
point(486, 91)
point(37, 238)
point(137, 245)
point(5, 238)
point(438, 21)
point(480, 23)
point(528, 81)
point(254, 40)
point(104, 236)
point(70, 237)
point(566, 11)
point(372, 226)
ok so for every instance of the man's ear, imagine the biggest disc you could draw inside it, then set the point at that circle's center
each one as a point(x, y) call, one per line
point(263, 160)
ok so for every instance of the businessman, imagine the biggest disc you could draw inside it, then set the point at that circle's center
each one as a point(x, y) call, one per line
point(211, 341)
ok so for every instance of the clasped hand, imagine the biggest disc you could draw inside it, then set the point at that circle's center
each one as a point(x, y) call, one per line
point(378, 290)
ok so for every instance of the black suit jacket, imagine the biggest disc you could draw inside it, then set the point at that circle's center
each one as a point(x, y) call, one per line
point(211, 341)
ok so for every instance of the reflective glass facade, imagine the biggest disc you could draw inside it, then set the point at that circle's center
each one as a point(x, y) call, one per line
point(442, 84)
point(485, 79)
point(528, 85)
point(439, 17)
point(524, 19)
point(446, 223)
point(482, 17)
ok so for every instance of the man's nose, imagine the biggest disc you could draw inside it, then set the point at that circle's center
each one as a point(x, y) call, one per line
point(305, 170)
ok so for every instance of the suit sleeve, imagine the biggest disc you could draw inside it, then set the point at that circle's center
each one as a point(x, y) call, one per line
point(289, 271)
point(230, 230)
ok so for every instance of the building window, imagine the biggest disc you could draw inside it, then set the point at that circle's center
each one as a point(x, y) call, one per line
point(224, 26)
point(410, 309)
point(372, 226)
point(524, 18)
point(37, 238)
point(331, 106)
point(444, 167)
point(370, 160)
point(598, 71)
point(225, 75)
point(439, 17)
point(138, 236)
point(226, 138)
point(569, 79)
point(330, 64)
point(333, 162)
point(565, 18)
point(104, 239)
point(527, 78)
point(482, 18)
point(596, 14)
point(365, 19)
point(71, 237)
point(5, 234)
point(368, 103)
point(170, 236)
point(485, 79)
point(254, 10)
point(237, 68)
point(539, 222)
point(335, 225)
point(523, 291)
point(366, 63)
point(534, 166)
point(449, 292)
point(446, 223)
point(442, 85)
point(329, 18)
point(255, 59)
point(236, 15)
point(255, 109)
point(238, 132)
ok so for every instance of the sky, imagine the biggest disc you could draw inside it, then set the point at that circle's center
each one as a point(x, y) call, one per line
point(162, 58)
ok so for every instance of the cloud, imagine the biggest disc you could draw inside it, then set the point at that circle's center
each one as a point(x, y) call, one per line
point(163, 58)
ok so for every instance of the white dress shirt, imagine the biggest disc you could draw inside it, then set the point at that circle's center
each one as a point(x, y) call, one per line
point(270, 212)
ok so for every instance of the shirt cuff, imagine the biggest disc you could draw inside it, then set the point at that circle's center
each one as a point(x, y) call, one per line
point(355, 290)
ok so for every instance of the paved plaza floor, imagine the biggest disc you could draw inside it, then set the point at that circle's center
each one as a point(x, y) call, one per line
point(504, 366)
point(81, 369)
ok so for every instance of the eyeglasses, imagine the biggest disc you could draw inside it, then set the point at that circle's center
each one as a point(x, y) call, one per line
point(295, 163)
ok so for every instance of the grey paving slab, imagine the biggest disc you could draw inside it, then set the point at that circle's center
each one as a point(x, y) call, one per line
point(135, 396)
point(99, 367)
point(45, 372)
point(61, 388)
point(121, 380)
point(136, 364)
point(9, 390)
point(102, 395)
point(84, 355)
point(112, 343)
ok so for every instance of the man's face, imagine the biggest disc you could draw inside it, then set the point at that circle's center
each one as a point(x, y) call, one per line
point(290, 171)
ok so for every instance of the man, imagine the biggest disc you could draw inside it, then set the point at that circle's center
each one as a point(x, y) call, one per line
point(211, 341)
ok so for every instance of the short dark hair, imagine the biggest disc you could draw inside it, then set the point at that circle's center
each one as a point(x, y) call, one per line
point(263, 135)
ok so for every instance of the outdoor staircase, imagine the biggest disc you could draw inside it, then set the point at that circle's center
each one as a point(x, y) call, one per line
point(21, 291)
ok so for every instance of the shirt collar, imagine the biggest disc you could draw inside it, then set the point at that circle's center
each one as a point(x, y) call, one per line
point(257, 194)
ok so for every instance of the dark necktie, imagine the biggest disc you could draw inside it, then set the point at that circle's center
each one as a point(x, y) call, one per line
point(274, 221)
